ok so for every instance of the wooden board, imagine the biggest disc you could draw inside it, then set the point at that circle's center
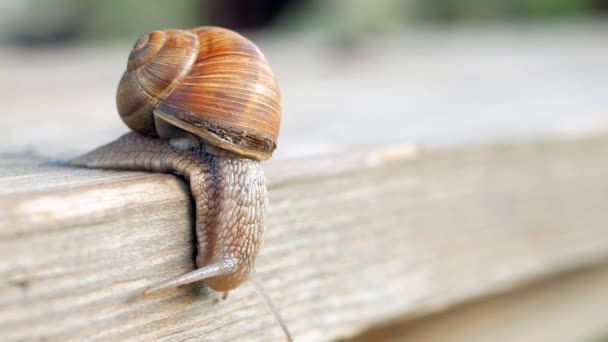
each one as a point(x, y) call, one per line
point(354, 239)
point(568, 307)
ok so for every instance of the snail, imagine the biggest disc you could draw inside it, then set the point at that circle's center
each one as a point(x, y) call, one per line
point(203, 103)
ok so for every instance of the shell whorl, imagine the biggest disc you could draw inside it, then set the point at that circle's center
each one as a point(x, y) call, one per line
point(209, 81)
point(158, 61)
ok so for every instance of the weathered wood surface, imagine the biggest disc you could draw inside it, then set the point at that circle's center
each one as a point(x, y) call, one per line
point(398, 233)
point(569, 307)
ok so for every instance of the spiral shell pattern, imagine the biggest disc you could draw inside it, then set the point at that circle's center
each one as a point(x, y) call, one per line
point(209, 81)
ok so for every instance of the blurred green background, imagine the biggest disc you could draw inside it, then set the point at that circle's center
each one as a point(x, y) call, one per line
point(52, 21)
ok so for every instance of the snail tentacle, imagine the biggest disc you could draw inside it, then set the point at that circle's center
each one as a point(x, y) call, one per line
point(221, 268)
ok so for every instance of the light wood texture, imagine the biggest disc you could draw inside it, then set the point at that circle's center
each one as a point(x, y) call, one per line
point(397, 233)
point(570, 307)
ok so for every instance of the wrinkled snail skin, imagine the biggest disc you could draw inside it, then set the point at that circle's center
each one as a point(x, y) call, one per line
point(203, 103)
point(229, 194)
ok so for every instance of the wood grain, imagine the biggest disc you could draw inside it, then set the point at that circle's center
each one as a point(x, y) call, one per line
point(353, 241)
point(569, 307)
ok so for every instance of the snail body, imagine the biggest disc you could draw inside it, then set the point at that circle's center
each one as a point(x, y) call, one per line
point(202, 103)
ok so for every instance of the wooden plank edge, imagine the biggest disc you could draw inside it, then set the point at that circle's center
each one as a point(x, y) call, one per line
point(176, 195)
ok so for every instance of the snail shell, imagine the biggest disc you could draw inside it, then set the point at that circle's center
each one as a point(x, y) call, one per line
point(208, 81)
point(207, 85)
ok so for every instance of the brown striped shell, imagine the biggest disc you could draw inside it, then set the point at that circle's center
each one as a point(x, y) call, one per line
point(209, 81)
